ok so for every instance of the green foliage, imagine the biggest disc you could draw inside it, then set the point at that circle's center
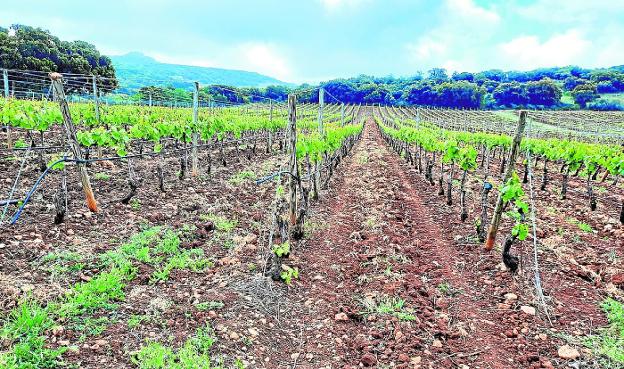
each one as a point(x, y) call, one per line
point(101, 176)
point(512, 192)
point(288, 274)
point(282, 250)
point(242, 176)
point(25, 329)
point(221, 223)
point(393, 306)
point(194, 354)
point(609, 342)
point(36, 49)
point(209, 305)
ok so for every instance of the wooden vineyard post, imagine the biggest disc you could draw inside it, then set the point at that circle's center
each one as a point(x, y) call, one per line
point(342, 112)
point(194, 160)
point(70, 130)
point(498, 210)
point(320, 112)
point(292, 165)
point(96, 100)
point(270, 135)
point(5, 78)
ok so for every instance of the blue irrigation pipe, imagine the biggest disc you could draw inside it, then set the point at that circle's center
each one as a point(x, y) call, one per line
point(34, 188)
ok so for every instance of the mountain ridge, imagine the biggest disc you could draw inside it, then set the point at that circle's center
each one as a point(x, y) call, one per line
point(135, 70)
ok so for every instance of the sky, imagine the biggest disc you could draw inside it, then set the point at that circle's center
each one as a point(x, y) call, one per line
point(317, 40)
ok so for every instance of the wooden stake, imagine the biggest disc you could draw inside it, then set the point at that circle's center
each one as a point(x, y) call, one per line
point(292, 165)
point(194, 160)
point(70, 130)
point(5, 77)
point(320, 112)
point(498, 210)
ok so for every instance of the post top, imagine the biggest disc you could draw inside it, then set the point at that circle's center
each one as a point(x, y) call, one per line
point(55, 76)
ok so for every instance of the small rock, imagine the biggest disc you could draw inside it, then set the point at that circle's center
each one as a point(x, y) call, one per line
point(368, 359)
point(404, 358)
point(234, 336)
point(341, 317)
point(511, 297)
point(253, 331)
point(568, 353)
point(416, 360)
point(437, 343)
point(529, 310)
point(295, 356)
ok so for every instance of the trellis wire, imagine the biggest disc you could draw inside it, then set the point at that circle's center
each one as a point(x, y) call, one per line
point(537, 278)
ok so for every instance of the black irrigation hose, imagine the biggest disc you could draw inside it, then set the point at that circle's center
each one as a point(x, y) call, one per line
point(17, 214)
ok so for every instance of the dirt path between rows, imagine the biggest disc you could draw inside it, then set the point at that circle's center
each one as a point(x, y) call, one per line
point(376, 247)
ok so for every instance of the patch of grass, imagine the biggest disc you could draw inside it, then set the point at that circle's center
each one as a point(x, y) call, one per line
point(582, 226)
point(363, 158)
point(101, 176)
point(610, 340)
point(209, 305)
point(194, 353)
point(386, 305)
point(135, 204)
point(62, 262)
point(25, 329)
point(242, 176)
point(221, 223)
point(90, 326)
point(25, 326)
point(136, 320)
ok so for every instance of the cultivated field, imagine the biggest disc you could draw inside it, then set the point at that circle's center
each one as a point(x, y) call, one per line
point(286, 235)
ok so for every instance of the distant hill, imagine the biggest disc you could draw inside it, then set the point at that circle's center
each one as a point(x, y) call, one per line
point(135, 70)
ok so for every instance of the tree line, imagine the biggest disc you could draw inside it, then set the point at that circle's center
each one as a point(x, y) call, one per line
point(29, 48)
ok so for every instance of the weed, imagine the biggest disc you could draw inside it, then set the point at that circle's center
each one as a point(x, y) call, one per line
point(101, 176)
point(135, 320)
point(135, 204)
point(610, 341)
point(582, 226)
point(25, 328)
point(288, 274)
point(194, 353)
point(209, 305)
point(221, 223)
point(394, 306)
point(282, 250)
point(241, 177)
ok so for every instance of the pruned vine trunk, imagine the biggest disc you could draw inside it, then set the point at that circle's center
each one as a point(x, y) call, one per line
point(590, 193)
point(449, 185)
point(462, 197)
point(564, 183)
point(544, 176)
point(60, 200)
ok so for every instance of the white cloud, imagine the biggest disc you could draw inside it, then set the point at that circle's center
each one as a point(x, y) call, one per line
point(469, 10)
point(334, 5)
point(465, 26)
point(265, 58)
point(253, 56)
point(527, 52)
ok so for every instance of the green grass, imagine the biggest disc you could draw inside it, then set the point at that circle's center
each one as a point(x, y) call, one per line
point(194, 354)
point(582, 226)
point(394, 306)
point(242, 176)
point(221, 223)
point(209, 305)
point(25, 329)
point(610, 340)
point(101, 176)
point(25, 326)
